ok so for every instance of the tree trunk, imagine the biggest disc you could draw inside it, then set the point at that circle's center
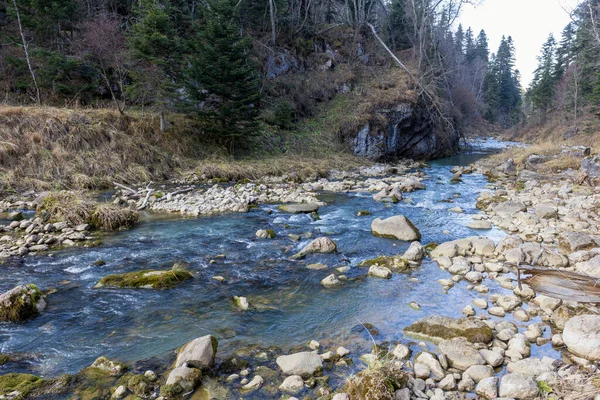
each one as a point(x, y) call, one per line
point(26, 49)
point(272, 11)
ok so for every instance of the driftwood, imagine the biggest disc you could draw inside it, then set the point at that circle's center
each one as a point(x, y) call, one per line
point(117, 184)
point(565, 285)
point(145, 202)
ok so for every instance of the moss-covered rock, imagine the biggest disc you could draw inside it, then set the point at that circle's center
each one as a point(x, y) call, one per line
point(438, 328)
point(299, 208)
point(21, 303)
point(363, 213)
point(22, 383)
point(139, 385)
point(146, 279)
point(379, 381)
point(392, 262)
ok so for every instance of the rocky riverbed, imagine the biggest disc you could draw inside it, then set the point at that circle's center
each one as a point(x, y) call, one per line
point(399, 285)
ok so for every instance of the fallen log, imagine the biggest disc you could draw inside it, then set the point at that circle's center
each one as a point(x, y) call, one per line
point(565, 285)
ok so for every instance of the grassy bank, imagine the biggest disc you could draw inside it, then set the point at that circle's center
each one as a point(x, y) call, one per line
point(57, 148)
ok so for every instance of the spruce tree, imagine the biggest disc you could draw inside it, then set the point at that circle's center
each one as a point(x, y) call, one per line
point(470, 53)
point(542, 86)
point(222, 76)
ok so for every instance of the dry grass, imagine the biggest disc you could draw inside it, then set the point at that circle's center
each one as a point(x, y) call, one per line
point(378, 381)
point(579, 386)
point(76, 208)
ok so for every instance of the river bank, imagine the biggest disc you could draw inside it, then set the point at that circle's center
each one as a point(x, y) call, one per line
point(290, 307)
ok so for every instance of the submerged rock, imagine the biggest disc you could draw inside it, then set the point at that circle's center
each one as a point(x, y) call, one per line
point(330, 281)
point(299, 208)
point(392, 262)
point(440, 328)
point(415, 252)
point(265, 234)
point(146, 279)
point(199, 353)
point(181, 380)
point(396, 227)
point(380, 272)
point(304, 363)
point(21, 303)
point(319, 245)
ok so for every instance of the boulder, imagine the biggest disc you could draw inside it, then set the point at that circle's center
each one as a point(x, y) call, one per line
point(397, 263)
point(582, 336)
point(518, 386)
point(483, 246)
point(591, 166)
point(181, 380)
point(546, 211)
point(590, 267)
point(292, 384)
point(479, 372)
point(439, 328)
point(508, 243)
point(461, 353)
point(330, 281)
point(146, 279)
point(299, 208)
point(570, 242)
point(318, 245)
point(396, 227)
point(415, 252)
point(21, 303)
point(480, 225)
point(199, 353)
point(304, 363)
point(265, 234)
point(488, 388)
point(529, 366)
point(380, 272)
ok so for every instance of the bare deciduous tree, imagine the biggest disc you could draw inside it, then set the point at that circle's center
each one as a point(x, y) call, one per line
point(38, 96)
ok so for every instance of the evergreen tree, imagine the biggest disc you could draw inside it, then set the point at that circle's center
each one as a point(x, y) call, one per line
point(481, 47)
point(398, 25)
point(542, 86)
point(459, 40)
point(154, 42)
point(564, 52)
point(223, 77)
point(470, 53)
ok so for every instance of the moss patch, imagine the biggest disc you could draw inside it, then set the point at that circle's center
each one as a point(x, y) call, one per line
point(379, 381)
point(146, 279)
point(438, 328)
point(22, 383)
point(20, 304)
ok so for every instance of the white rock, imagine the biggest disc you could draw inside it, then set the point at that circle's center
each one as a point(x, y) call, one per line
point(488, 388)
point(292, 384)
point(479, 372)
point(582, 336)
point(254, 384)
point(518, 386)
point(199, 353)
point(303, 363)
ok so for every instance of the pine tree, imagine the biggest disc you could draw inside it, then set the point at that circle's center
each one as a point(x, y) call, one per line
point(564, 52)
point(470, 53)
point(155, 44)
point(542, 86)
point(481, 47)
point(223, 77)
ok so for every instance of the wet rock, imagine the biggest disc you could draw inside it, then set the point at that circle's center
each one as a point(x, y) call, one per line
point(396, 227)
point(468, 311)
point(480, 303)
point(415, 252)
point(319, 245)
point(181, 380)
point(303, 363)
point(496, 311)
point(488, 388)
point(441, 328)
point(518, 386)
point(21, 303)
point(292, 384)
point(146, 279)
point(241, 302)
point(254, 384)
point(113, 368)
point(330, 281)
point(299, 208)
point(265, 234)
point(342, 351)
point(582, 336)
point(396, 263)
point(199, 353)
point(15, 216)
point(380, 272)
point(461, 353)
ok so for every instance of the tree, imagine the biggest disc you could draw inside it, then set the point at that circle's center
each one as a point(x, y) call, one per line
point(155, 44)
point(542, 86)
point(26, 50)
point(222, 76)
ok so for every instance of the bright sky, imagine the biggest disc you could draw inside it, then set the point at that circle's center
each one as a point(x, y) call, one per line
point(528, 22)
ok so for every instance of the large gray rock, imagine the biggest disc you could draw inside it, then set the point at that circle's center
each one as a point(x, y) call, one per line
point(488, 388)
point(518, 386)
point(590, 267)
point(582, 336)
point(199, 353)
point(319, 245)
point(529, 366)
point(396, 227)
point(292, 384)
point(415, 252)
point(461, 353)
point(570, 242)
point(591, 166)
point(303, 363)
point(439, 328)
point(21, 303)
point(509, 208)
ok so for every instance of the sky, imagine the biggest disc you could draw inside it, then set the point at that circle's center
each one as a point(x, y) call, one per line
point(529, 22)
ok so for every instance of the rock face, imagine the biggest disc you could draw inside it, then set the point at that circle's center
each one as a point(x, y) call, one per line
point(199, 353)
point(302, 364)
point(442, 328)
point(21, 303)
point(396, 227)
point(319, 245)
point(407, 134)
point(582, 336)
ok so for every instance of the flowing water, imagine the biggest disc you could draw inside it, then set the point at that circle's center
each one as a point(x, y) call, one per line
point(290, 307)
